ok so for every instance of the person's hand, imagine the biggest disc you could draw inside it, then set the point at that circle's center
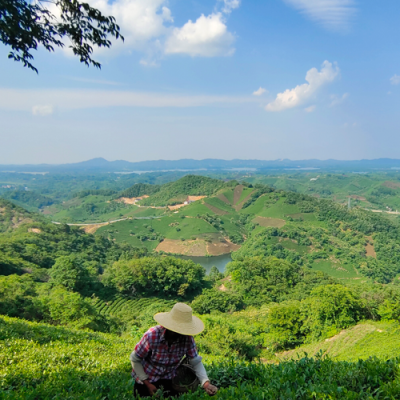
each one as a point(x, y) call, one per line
point(150, 387)
point(210, 389)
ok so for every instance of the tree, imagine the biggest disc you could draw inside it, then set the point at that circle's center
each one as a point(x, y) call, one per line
point(17, 297)
point(261, 280)
point(25, 25)
point(330, 307)
point(69, 272)
point(155, 276)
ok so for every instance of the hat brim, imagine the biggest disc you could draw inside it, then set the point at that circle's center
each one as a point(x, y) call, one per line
point(192, 328)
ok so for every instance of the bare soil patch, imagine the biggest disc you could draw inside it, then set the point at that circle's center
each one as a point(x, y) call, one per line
point(370, 248)
point(221, 246)
point(224, 199)
point(34, 230)
point(17, 221)
point(391, 185)
point(222, 288)
point(239, 206)
point(93, 228)
point(237, 192)
point(215, 210)
point(270, 222)
point(196, 247)
point(195, 198)
point(177, 206)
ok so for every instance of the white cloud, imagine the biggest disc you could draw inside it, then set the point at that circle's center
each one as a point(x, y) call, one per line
point(42, 110)
point(230, 5)
point(259, 91)
point(310, 109)
point(206, 37)
point(71, 99)
point(395, 79)
point(141, 21)
point(147, 26)
point(333, 14)
point(295, 97)
point(336, 100)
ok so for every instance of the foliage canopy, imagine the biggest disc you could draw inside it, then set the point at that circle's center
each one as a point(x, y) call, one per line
point(24, 26)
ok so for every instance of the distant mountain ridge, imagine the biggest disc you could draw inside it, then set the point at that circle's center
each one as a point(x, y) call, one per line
point(103, 165)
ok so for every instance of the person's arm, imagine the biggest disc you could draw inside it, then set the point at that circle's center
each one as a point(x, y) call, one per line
point(137, 366)
point(198, 367)
point(140, 352)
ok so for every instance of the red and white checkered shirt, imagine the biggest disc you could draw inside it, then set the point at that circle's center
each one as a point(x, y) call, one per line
point(159, 360)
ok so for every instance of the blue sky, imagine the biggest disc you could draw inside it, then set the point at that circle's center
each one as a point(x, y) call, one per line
point(226, 79)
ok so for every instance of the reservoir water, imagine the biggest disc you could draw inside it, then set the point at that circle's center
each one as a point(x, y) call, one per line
point(207, 262)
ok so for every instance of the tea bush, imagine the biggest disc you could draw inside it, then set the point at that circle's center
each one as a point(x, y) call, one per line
point(40, 361)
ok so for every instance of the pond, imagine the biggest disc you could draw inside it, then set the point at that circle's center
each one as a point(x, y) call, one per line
point(207, 262)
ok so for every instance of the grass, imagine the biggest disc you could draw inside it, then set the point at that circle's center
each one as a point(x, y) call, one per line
point(245, 193)
point(381, 339)
point(193, 209)
point(280, 210)
point(214, 201)
point(256, 208)
point(171, 227)
point(338, 270)
point(290, 245)
point(229, 195)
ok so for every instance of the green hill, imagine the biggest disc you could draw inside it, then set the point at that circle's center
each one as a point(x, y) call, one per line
point(380, 339)
point(177, 192)
point(354, 245)
point(139, 189)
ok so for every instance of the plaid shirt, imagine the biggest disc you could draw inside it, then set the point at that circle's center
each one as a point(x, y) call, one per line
point(159, 360)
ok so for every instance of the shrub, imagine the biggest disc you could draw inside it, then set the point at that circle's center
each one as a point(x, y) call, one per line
point(216, 300)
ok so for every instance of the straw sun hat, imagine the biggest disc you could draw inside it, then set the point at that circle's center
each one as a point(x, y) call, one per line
point(180, 320)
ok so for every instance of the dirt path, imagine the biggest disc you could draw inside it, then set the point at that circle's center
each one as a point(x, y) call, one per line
point(237, 192)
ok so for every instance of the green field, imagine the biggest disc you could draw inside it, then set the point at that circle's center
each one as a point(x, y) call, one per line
point(214, 201)
point(171, 227)
point(337, 270)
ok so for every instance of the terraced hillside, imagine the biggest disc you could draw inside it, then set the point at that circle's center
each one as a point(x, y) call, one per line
point(323, 235)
